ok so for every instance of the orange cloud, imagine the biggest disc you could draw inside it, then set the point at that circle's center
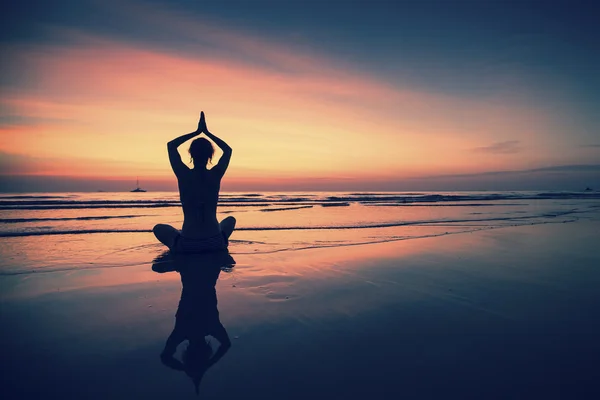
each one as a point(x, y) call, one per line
point(301, 115)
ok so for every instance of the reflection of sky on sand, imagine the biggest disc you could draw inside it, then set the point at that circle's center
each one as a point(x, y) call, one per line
point(498, 299)
point(98, 275)
point(273, 275)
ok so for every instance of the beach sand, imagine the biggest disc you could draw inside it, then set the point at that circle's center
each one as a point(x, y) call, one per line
point(501, 313)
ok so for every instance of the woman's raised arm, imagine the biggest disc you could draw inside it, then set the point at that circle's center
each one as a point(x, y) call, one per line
point(174, 157)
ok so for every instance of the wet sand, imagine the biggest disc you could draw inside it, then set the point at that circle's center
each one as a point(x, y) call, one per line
point(503, 313)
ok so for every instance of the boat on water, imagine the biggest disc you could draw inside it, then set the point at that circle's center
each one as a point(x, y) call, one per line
point(137, 189)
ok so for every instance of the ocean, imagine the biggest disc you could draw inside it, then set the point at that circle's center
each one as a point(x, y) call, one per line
point(425, 295)
point(42, 232)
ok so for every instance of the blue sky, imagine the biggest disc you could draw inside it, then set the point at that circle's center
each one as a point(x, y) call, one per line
point(538, 57)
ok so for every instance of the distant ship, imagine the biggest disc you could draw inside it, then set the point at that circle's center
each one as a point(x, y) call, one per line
point(138, 189)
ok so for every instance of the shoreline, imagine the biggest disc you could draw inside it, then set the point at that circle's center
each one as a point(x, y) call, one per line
point(159, 248)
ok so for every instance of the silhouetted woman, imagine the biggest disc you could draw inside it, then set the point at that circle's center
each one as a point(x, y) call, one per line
point(199, 194)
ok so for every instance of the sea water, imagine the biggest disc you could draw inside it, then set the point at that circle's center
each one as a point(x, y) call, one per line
point(60, 231)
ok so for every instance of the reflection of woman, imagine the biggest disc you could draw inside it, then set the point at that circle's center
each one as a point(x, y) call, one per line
point(199, 194)
point(197, 315)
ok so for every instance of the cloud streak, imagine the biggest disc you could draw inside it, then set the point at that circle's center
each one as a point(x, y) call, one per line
point(506, 147)
point(10, 121)
point(581, 168)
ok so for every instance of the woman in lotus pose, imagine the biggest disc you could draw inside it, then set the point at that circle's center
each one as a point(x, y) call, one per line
point(199, 194)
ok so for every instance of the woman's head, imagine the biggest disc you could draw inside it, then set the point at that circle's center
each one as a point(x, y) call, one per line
point(197, 353)
point(201, 151)
point(195, 360)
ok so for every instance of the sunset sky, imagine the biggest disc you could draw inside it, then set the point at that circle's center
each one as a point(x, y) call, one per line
point(311, 95)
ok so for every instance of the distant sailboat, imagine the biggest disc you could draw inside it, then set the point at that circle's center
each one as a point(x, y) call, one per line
point(138, 189)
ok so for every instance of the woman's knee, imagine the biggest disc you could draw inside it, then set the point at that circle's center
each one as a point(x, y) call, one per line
point(227, 226)
point(229, 221)
point(159, 229)
point(165, 233)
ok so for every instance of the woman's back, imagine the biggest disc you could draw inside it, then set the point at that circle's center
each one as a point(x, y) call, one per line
point(199, 195)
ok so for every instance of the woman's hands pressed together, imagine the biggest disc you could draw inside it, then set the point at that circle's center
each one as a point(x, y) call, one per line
point(202, 124)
